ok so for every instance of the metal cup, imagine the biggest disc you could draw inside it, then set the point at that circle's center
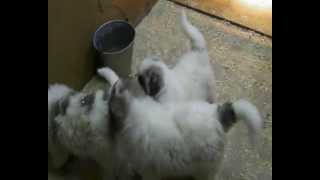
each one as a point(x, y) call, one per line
point(114, 42)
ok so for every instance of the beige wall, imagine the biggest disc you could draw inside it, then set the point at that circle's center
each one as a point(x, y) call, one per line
point(71, 24)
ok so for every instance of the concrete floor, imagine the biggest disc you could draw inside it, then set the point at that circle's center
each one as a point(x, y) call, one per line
point(242, 61)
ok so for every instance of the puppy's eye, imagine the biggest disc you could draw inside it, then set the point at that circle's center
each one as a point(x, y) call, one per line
point(87, 100)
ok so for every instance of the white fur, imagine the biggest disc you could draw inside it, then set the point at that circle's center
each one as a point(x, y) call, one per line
point(85, 135)
point(108, 74)
point(176, 139)
point(192, 78)
point(250, 115)
point(56, 92)
point(198, 41)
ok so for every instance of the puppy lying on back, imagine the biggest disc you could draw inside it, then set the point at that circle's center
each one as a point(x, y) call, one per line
point(79, 123)
point(173, 139)
point(192, 78)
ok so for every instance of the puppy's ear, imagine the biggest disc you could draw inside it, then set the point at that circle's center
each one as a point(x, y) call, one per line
point(63, 105)
point(143, 81)
point(151, 80)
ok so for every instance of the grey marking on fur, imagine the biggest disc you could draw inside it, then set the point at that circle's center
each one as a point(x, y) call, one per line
point(151, 80)
point(227, 116)
point(58, 108)
point(54, 113)
point(106, 94)
point(118, 107)
point(117, 111)
point(63, 105)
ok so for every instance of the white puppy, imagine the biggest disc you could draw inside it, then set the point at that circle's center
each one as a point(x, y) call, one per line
point(192, 78)
point(173, 139)
point(83, 129)
point(79, 124)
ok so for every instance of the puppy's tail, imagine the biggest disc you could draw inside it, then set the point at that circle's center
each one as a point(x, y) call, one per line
point(198, 42)
point(109, 75)
point(230, 113)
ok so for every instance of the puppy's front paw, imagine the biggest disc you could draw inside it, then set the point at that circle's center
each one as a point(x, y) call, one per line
point(103, 72)
point(108, 74)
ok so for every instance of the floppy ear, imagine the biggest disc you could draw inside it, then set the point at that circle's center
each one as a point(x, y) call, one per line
point(143, 81)
point(151, 80)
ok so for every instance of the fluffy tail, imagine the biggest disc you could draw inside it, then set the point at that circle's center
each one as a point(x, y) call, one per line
point(109, 75)
point(230, 113)
point(198, 42)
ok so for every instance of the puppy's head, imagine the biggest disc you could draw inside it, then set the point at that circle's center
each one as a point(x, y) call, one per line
point(81, 123)
point(151, 76)
point(84, 111)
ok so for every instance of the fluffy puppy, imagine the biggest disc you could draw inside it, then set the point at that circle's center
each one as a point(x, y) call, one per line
point(174, 139)
point(79, 124)
point(192, 78)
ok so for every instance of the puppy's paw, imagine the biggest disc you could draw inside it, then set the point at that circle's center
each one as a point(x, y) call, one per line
point(103, 72)
point(108, 74)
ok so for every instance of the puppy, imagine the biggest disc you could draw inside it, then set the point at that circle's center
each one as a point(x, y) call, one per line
point(192, 78)
point(173, 139)
point(79, 124)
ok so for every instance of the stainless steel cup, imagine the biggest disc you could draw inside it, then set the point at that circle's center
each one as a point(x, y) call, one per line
point(114, 42)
